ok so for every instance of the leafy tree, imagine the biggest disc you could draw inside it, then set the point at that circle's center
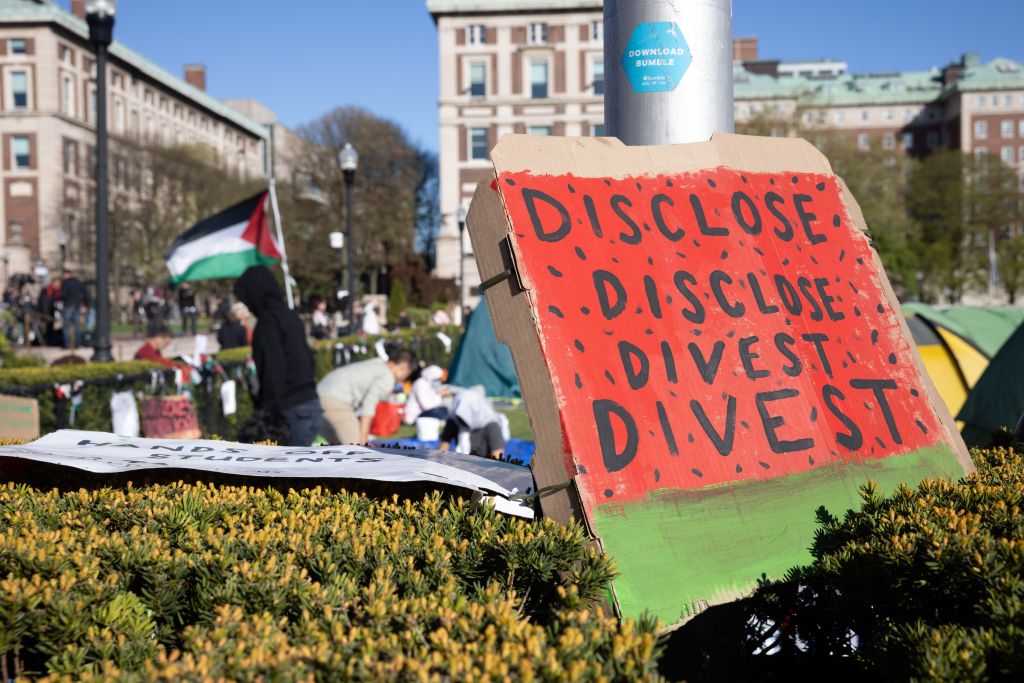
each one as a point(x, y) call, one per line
point(397, 302)
point(1010, 266)
point(993, 200)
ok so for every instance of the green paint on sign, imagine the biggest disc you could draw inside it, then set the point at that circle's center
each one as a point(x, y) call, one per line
point(700, 547)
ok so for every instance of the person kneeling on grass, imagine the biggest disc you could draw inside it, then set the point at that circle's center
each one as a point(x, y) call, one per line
point(358, 388)
point(471, 412)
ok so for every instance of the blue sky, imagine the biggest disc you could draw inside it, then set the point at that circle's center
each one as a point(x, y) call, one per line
point(303, 57)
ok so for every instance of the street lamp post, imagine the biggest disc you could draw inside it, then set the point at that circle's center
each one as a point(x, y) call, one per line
point(100, 16)
point(349, 159)
point(461, 216)
point(337, 239)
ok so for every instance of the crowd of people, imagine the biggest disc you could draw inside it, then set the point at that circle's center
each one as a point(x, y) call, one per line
point(56, 312)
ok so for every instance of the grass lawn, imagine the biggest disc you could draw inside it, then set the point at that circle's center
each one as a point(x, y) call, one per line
point(518, 424)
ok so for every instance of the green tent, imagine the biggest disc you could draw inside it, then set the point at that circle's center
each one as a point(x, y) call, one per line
point(997, 400)
point(481, 359)
point(987, 328)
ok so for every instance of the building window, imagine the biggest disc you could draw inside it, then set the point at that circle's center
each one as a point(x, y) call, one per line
point(908, 140)
point(477, 79)
point(92, 105)
point(21, 152)
point(538, 33)
point(863, 142)
point(981, 129)
point(1006, 128)
point(981, 102)
point(597, 30)
point(864, 114)
point(539, 130)
point(932, 139)
point(980, 152)
point(477, 34)
point(67, 95)
point(19, 46)
point(599, 130)
point(538, 80)
point(19, 89)
point(838, 116)
point(889, 115)
point(1006, 154)
point(1020, 128)
point(118, 116)
point(598, 66)
point(69, 157)
point(478, 143)
point(908, 114)
point(995, 100)
point(889, 141)
point(1020, 154)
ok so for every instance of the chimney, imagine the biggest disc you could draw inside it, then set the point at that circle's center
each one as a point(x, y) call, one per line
point(744, 49)
point(195, 75)
point(78, 8)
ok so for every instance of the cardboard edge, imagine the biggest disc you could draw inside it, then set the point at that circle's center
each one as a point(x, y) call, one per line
point(514, 325)
point(938, 406)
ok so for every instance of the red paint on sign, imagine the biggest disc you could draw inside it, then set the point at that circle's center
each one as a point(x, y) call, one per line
point(713, 327)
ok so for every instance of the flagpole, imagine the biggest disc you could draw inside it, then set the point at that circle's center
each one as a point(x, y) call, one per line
point(280, 241)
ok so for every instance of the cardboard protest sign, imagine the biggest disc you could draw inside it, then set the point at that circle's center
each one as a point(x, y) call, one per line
point(19, 417)
point(708, 347)
point(170, 417)
point(108, 453)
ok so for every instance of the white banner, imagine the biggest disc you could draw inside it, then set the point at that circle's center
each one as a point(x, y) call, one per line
point(108, 453)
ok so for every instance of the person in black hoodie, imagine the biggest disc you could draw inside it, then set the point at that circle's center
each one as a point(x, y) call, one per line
point(284, 361)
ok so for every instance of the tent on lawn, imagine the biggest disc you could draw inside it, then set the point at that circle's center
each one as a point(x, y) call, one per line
point(481, 359)
point(997, 399)
point(956, 344)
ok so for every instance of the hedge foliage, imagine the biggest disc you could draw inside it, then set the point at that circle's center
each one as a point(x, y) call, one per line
point(102, 379)
point(197, 582)
point(926, 583)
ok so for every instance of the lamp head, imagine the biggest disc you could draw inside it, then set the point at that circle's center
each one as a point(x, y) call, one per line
point(101, 8)
point(460, 215)
point(349, 157)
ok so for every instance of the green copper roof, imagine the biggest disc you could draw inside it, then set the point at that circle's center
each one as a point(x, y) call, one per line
point(46, 11)
point(999, 74)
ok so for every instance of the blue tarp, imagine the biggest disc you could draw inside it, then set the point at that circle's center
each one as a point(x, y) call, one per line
point(516, 450)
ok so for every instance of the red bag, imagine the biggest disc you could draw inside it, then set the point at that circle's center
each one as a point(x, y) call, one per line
point(386, 420)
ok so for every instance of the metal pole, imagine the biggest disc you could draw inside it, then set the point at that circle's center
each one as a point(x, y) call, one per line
point(350, 177)
point(280, 243)
point(669, 67)
point(103, 345)
point(462, 270)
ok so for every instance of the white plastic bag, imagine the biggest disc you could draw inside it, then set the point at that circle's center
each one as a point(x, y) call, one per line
point(125, 413)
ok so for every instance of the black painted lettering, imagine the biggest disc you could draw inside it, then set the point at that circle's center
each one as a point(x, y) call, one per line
point(806, 218)
point(819, 339)
point(602, 281)
point(653, 301)
point(784, 343)
point(747, 357)
point(822, 284)
point(771, 423)
point(615, 458)
point(595, 222)
point(635, 364)
point(708, 368)
point(722, 442)
point(659, 220)
point(702, 220)
point(634, 235)
point(743, 205)
point(732, 309)
point(682, 280)
point(530, 197)
point(878, 387)
point(852, 440)
point(805, 286)
point(772, 200)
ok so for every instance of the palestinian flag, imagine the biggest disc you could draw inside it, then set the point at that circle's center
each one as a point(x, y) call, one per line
point(224, 245)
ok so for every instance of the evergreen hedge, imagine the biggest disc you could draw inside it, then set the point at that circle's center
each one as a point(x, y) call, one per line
point(201, 582)
point(102, 379)
point(924, 584)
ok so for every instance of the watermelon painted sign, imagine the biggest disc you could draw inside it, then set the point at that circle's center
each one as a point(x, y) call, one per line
point(722, 349)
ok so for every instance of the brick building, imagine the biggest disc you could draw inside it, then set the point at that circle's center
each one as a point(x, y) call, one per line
point(537, 66)
point(47, 129)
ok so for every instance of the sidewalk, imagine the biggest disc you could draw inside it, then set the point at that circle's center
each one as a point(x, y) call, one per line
point(122, 347)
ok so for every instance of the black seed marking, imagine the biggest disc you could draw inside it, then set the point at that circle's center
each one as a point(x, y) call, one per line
point(614, 260)
point(697, 472)
point(673, 394)
point(647, 227)
point(920, 425)
point(795, 180)
point(810, 459)
point(914, 392)
point(758, 251)
point(743, 178)
point(820, 187)
point(860, 261)
point(880, 308)
point(835, 221)
point(856, 311)
point(648, 331)
point(657, 475)
point(842, 255)
point(696, 332)
point(814, 414)
point(579, 382)
point(557, 311)
point(579, 345)
point(744, 424)
point(785, 261)
point(639, 188)
point(730, 334)
point(851, 357)
point(571, 189)
point(712, 183)
point(607, 182)
point(580, 254)
point(892, 359)
point(554, 271)
point(771, 181)
point(584, 310)
point(639, 310)
point(725, 254)
point(738, 469)
point(854, 288)
point(696, 244)
point(609, 376)
point(763, 464)
point(650, 261)
point(668, 182)
point(510, 181)
point(881, 444)
point(668, 298)
point(581, 469)
point(607, 493)
point(874, 336)
point(689, 437)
